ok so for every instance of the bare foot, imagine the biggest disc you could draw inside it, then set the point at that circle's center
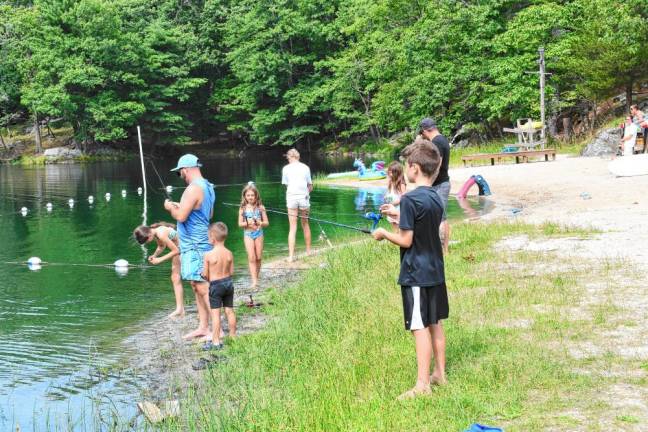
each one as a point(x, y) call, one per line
point(439, 381)
point(290, 259)
point(196, 333)
point(177, 314)
point(418, 390)
point(208, 336)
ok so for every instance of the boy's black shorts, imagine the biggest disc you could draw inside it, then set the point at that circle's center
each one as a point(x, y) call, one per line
point(424, 306)
point(221, 293)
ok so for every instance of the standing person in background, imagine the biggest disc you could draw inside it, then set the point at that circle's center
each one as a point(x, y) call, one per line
point(441, 185)
point(253, 218)
point(296, 176)
point(639, 118)
point(396, 188)
point(193, 212)
point(629, 137)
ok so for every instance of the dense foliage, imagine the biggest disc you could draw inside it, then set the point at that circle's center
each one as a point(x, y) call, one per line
point(300, 71)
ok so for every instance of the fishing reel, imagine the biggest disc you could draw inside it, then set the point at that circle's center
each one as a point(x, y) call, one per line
point(374, 217)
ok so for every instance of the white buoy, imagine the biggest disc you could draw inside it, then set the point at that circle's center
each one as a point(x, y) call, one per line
point(169, 188)
point(123, 193)
point(90, 199)
point(34, 267)
point(139, 191)
point(108, 196)
point(121, 267)
point(71, 202)
point(121, 263)
point(34, 261)
point(23, 211)
point(48, 206)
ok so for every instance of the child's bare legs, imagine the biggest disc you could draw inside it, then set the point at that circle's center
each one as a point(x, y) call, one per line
point(179, 311)
point(306, 228)
point(438, 347)
point(258, 248)
point(423, 341)
point(252, 259)
point(216, 326)
point(231, 321)
point(445, 236)
point(201, 290)
point(292, 233)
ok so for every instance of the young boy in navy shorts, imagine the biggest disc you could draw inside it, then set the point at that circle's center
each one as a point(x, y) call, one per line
point(422, 278)
point(218, 267)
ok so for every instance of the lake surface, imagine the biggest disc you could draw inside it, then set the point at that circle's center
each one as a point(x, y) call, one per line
point(62, 325)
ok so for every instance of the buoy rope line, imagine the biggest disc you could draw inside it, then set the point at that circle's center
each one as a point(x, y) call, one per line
point(47, 263)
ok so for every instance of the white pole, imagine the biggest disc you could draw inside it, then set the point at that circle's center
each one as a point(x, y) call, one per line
point(139, 138)
point(542, 93)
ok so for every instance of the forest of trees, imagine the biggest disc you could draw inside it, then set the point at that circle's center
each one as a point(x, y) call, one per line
point(292, 72)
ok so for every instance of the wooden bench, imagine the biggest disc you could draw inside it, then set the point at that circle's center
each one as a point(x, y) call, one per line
point(520, 155)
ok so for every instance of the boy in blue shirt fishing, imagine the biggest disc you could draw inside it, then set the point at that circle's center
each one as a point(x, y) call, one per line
point(422, 278)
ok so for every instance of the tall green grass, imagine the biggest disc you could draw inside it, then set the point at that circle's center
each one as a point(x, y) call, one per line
point(335, 355)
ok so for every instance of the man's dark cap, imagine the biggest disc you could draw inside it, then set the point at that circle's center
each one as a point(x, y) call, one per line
point(427, 124)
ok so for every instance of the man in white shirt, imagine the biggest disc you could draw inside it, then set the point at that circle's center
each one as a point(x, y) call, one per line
point(629, 137)
point(297, 177)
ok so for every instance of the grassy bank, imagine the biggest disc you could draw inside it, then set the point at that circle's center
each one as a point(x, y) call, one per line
point(335, 355)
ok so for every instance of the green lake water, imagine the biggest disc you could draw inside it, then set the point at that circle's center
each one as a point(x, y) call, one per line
point(62, 324)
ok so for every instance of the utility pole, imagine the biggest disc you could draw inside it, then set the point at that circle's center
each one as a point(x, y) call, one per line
point(543, 74)
point(541, 61)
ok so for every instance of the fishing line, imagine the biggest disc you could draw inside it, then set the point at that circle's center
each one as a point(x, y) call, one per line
point(341, 225)
point(222, 185)
point(168, 195)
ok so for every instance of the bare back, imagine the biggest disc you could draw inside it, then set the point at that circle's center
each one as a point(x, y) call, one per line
point(219, 263)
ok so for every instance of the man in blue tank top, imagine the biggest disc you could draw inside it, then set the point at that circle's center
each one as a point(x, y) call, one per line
point(193, 213)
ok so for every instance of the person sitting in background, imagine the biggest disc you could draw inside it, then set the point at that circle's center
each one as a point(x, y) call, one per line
point(639, 118)
point(629, 137)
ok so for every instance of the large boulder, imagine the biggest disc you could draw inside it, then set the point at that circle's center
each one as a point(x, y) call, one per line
point(61, 153)
point(605, 143)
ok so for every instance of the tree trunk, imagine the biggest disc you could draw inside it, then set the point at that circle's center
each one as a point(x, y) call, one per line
point(553, 119)
point(567, 127)
point(3, 142)
point(50, 132)
point(628, 95)
point(37, 134)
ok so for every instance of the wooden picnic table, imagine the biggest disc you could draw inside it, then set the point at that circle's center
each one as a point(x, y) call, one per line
point(519, 156)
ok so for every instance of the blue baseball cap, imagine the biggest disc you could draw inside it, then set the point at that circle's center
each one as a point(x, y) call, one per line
point(187, 161)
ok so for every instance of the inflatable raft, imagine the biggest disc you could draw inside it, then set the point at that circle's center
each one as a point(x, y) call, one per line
point(376, 172)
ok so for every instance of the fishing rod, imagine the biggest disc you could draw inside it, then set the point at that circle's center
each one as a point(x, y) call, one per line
point(164, 188)
point(337, 224)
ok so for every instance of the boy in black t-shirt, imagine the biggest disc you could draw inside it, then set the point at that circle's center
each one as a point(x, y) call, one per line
point(422, 278)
